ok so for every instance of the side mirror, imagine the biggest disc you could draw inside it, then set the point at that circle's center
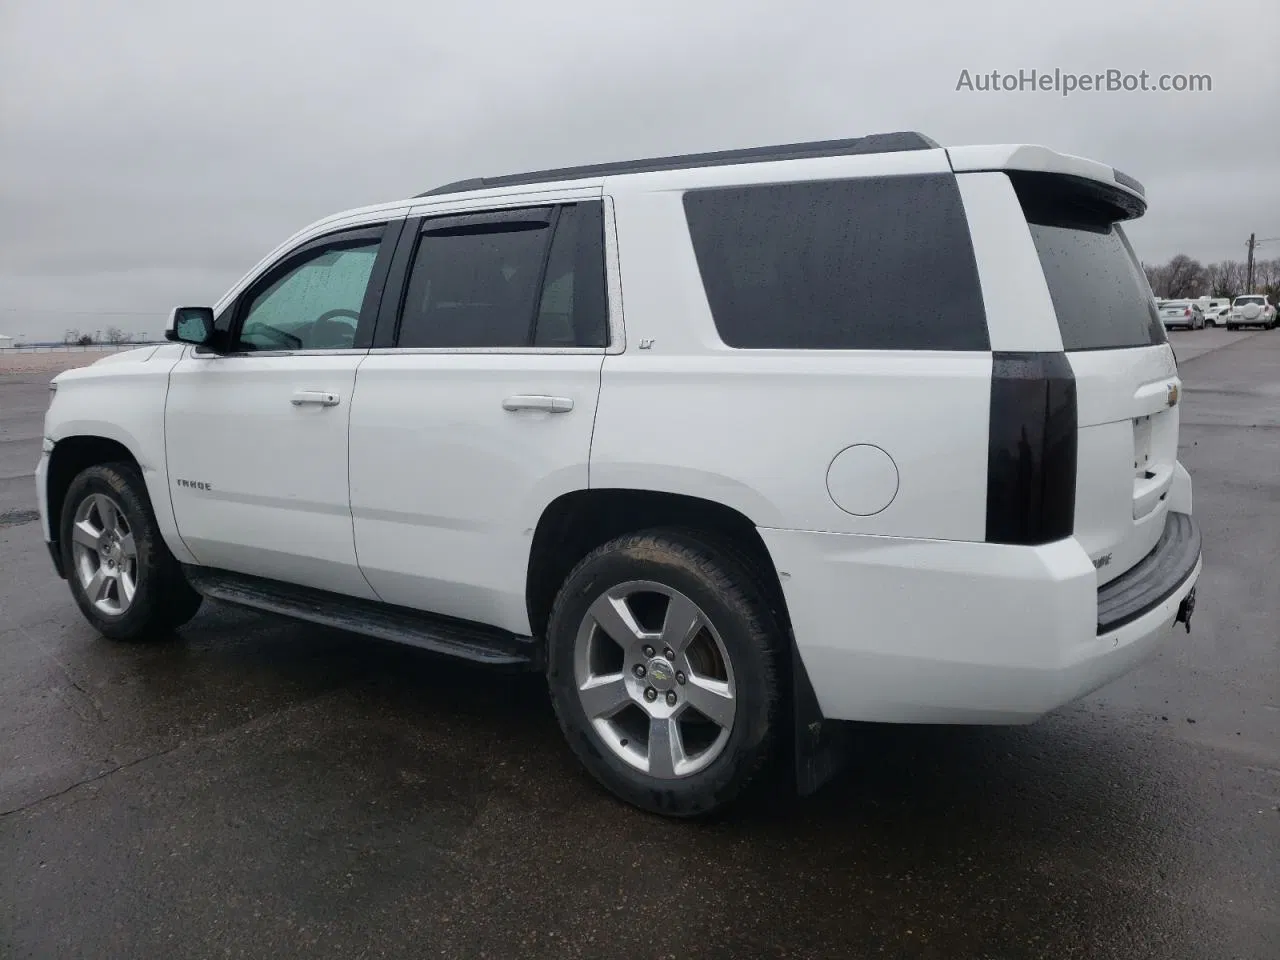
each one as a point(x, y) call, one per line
point(190, 325)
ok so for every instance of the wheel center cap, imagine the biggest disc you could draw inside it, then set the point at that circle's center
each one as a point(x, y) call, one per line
point(661, 674)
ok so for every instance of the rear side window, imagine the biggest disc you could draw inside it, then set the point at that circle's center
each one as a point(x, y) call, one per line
point(866, 264)
point(508, 282)
point(1099, 291)
point(474, 287)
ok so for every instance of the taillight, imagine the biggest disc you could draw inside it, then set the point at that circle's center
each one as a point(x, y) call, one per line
point(1031, 449)
point(1186, 312)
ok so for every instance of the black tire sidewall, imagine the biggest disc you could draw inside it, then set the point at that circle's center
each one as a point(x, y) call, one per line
point(124, 486)
point(743, 623)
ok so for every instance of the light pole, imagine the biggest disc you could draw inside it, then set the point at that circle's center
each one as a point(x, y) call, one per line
point(1253, 244)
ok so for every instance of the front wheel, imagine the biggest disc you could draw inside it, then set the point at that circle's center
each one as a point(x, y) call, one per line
point(122, 575)
point(664, 671)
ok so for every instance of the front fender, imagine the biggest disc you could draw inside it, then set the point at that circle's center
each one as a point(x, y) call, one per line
point(124, 402)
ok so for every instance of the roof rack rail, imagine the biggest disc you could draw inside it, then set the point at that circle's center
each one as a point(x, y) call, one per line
point(873, 143)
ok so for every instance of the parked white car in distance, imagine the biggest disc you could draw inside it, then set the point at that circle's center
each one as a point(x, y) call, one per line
point(732, 447)
point(1252, 310)
point(1216, 310)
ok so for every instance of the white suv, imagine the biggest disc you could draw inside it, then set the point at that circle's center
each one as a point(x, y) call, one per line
point(1252, 310)
point(733, 446)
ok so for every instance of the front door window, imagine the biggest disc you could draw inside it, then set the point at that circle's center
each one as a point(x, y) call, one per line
point(315, 305)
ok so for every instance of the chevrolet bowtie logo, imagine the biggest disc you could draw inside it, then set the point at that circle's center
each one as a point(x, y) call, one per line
point(1173, 394)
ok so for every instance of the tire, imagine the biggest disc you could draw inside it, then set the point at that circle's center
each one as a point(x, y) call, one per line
point(161, 598)
point(1231, 327)
point(738, 649)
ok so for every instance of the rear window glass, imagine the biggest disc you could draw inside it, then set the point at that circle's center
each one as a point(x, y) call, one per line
point(1244, 300)
point(1099, 292)
point(874, 263)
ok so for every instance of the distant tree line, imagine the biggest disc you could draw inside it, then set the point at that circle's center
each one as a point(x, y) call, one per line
point(112, 335)
point(1183, 278)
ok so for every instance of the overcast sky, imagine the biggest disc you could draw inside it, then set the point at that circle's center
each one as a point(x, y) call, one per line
point(152, 150)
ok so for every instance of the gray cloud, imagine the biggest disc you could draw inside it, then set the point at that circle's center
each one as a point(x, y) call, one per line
point(151, 152)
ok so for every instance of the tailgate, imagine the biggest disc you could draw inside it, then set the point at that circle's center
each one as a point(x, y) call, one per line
point(1127, 448)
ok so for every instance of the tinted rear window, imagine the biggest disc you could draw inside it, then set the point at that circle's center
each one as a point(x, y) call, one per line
point(1099, 292)
point(874, 263)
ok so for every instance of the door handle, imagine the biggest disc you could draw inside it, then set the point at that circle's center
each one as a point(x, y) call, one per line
point(550, 404)
point(318, 397)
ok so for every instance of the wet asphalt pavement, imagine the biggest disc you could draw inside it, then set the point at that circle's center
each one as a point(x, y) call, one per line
point(267, 789)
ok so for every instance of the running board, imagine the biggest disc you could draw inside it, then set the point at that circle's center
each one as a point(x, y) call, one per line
point(456, 638)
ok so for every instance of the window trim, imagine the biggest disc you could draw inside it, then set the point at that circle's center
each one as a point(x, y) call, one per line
point(387, 329)
point(386, 233)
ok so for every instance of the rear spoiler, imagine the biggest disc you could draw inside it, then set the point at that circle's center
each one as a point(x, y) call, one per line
point(1125, 194)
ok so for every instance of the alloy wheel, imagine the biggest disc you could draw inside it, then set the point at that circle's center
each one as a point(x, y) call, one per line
point(654, 679)
point(105, 554)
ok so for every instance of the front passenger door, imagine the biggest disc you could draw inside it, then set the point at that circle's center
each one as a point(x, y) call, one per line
point(256, 435)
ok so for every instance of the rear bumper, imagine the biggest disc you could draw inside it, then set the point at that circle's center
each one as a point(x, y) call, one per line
point(1157, 576)
point(932, 631)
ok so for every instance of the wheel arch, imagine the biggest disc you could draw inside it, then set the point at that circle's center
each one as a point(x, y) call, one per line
point(577, 522)
point(69, 457)
point(85, 447)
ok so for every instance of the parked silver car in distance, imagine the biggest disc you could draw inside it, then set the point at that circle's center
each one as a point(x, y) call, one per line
point(1181, 313)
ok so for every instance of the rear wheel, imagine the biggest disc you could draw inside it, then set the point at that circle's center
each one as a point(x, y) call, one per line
point(664, 671)
point(123, 577)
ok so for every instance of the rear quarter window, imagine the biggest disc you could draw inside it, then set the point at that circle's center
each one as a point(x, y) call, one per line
point(864, 264)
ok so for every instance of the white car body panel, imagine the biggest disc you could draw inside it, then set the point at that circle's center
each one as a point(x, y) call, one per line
point(997, 634)
point(1019, 311)
point(122, 398)
point(447, 486)
point(277, 503)
point(1120, 515)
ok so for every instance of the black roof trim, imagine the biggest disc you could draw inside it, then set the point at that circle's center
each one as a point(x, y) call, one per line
point(873, 143)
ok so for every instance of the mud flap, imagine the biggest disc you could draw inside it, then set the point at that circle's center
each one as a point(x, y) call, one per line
point(1186, 609)
point(822, 747)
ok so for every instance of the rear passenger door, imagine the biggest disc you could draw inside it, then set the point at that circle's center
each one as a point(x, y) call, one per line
point(477, 409)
